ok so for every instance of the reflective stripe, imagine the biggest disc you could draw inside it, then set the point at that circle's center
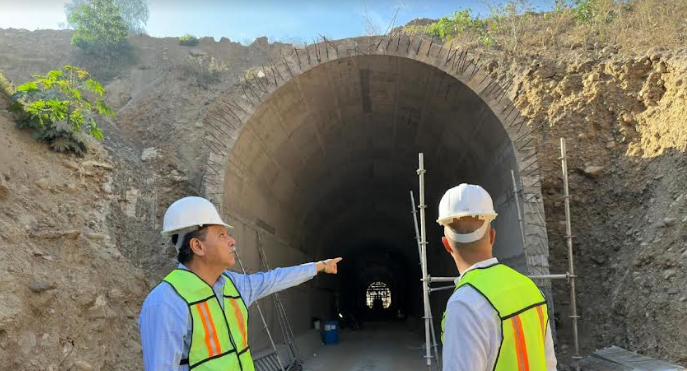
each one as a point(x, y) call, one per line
point(208, 344)
point(211, 321)
point(541, 322)
point(239, 317)
point(520, 345)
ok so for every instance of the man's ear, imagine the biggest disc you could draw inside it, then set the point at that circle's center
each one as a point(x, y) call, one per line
point(492, 235)
point(197, 247)
point(447, 246)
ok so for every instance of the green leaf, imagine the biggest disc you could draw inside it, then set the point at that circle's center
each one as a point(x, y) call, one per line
point(94, 87)
point(75, 94)
point(28, 87)
point(103, 108)
point(94, 130)
point(53, 75)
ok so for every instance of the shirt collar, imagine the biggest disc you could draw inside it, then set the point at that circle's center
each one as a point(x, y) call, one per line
point(220, 280)
point(482, 264)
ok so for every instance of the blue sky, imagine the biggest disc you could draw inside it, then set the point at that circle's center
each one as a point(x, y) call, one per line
point(243, 21)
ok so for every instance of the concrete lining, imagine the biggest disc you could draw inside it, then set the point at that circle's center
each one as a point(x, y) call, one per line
point(322, 152)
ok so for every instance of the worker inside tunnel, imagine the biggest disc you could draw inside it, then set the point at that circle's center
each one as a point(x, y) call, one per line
point(325, 165)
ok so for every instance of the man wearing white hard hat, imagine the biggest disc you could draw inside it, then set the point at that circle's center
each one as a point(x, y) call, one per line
point(197, 317)
point(497, 318)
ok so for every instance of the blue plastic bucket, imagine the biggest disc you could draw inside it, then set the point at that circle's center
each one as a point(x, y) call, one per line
point(330, 335)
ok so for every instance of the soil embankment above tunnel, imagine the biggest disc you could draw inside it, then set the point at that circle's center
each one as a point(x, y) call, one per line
point(323, 132)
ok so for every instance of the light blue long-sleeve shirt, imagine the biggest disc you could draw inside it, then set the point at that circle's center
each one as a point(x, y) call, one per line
point(165, 320)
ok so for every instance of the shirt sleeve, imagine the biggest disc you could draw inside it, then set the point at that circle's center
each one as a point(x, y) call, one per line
point(162, 327)
point(258, 285)
point(551, 360)
point(466, 339)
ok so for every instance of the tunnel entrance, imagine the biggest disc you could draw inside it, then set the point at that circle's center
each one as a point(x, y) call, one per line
point(324, 161)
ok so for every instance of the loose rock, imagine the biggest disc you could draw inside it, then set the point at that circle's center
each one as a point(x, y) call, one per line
point(40, 286)
point(593, 171)
point(668, 222)
point(83, 366)
point(150, 154)
point(43, 183)
point(669, 273)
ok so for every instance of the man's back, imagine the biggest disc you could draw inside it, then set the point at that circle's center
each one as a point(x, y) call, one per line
point(479, 336)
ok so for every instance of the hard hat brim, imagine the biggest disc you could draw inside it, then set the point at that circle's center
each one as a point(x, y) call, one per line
point(179, 229)
point(449, 219)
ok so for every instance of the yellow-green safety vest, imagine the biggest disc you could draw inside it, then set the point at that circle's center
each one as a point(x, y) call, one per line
point(523, 312)
point(219, 339)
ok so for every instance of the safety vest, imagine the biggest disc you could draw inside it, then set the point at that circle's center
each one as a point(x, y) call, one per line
point(523, 313)
point(219, 338)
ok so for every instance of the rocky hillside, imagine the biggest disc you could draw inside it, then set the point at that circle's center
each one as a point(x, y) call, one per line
point(623, 118)
point(80, 236)
point(67, 287)
point(80, 241)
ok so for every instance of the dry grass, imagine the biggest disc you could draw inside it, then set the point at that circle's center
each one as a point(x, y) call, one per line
point(650, 23)
point(6, 87)
point(635, 25)
point(631, 26)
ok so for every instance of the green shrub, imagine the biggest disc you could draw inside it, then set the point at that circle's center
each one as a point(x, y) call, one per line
point(584, 10)
point(457, 23)
point(133, 12)
point(100, 29)
point(59, 106)
point(188, 40)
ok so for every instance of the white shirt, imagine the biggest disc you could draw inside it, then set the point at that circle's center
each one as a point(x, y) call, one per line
point(472, 332)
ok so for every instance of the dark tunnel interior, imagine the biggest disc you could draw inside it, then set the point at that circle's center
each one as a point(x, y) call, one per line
point(327, 162)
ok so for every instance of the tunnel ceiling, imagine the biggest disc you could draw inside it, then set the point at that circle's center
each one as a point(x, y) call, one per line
point(329, 158)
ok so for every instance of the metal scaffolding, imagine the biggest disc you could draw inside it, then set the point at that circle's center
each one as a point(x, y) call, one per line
point(427, 280)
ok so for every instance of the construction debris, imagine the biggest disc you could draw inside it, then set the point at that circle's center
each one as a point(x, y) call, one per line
point(618, 359)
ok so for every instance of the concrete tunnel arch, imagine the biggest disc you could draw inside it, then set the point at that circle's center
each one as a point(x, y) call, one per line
point(316, 157)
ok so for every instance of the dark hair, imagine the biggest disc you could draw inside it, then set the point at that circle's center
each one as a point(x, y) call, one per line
point(185, 253)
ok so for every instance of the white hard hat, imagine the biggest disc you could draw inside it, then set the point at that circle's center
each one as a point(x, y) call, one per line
point(188, 214)
point(466, 200)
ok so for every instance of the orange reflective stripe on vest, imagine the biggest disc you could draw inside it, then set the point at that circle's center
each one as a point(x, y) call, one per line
point(520, 344)
point(242, 323)
point(542, 322)
point(211, 340)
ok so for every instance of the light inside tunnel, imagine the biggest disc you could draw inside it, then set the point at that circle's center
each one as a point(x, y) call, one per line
point(378, 296)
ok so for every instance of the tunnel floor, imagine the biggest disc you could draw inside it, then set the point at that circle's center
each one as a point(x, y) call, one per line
point(380, 346)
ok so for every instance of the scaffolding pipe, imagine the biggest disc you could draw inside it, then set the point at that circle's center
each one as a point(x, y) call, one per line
point(569, 237)
point(520, 220)
point(262, 317)
point(417, 231)
point(551, 276)
point(423, 244)
point(442, 288)
point(426, 302)
point(284, 323)
point(440, 279)
point(534, 277)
